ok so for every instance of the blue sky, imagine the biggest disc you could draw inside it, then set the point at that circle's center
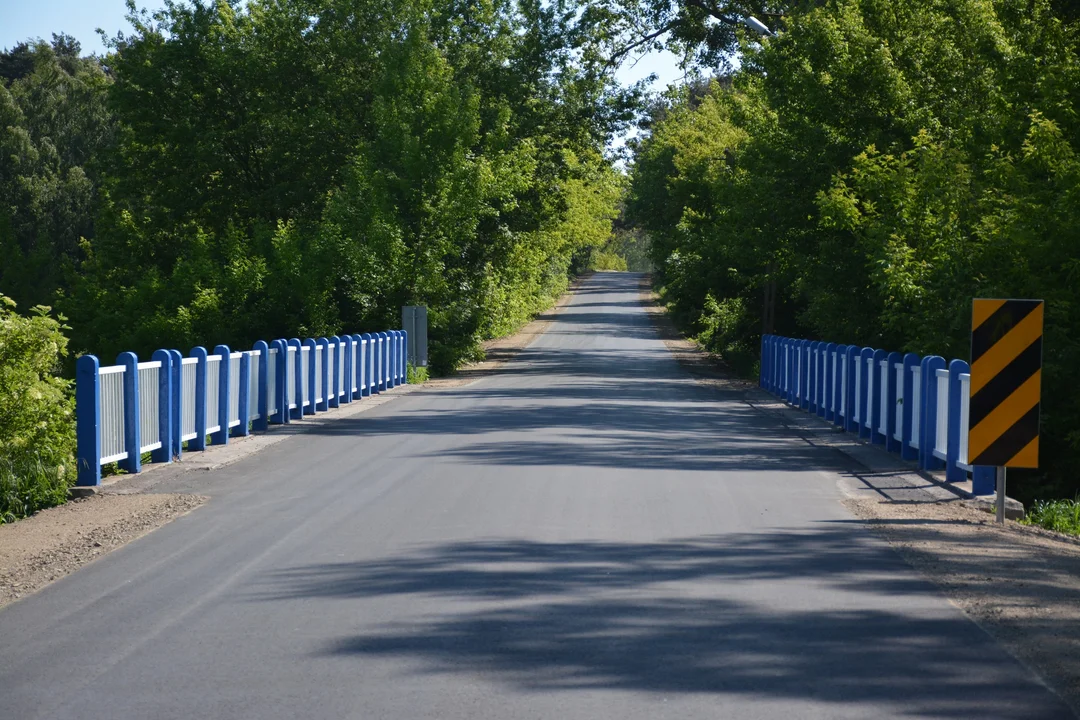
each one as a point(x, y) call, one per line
point(22, 19)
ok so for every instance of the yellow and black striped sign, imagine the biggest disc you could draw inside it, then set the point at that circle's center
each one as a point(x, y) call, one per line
point(1006, 383)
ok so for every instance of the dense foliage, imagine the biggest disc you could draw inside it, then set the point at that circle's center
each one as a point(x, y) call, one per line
point(869, 171)
point(37, 432)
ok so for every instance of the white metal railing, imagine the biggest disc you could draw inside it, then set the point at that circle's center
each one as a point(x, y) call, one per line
point(213, 393)
point(254, 358)
point(965, 408)
point(898, 418)
point(234, 388)
point(290, 378)
point(111, 407)
point(856, 416)
point(331, 369)
point(318, 374)
point(272, 361)
point(941, 442)
point(355, 350)
point(340, 383)
point(916, 405)
point(843, 385)
point(188, 368)
point(868, 421)
point(835, 377)
point(149, 403)
point(305, 359)
point(883, 397)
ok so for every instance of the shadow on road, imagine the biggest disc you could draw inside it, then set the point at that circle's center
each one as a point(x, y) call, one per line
point(641, 617)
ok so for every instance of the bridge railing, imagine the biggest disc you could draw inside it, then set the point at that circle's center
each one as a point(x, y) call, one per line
point(173, 404)
point(916, 407)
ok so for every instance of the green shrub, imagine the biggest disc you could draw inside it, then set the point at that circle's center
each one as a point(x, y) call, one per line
point(417, 375)
point(37, 428)
point(1058, 515)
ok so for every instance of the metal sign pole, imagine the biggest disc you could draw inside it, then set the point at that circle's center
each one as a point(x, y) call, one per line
point(1001, 495)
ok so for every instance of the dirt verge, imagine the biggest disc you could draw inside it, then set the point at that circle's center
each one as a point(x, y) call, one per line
point(1020, 584)
point(56, 542)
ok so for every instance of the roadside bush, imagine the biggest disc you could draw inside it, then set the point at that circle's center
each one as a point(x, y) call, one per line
point(37, 428)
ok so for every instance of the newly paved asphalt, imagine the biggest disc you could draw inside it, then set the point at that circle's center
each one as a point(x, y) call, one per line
point(587, 534)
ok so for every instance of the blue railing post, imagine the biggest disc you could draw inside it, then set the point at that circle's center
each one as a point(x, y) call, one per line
point(88, 421)
point(333, 377)
point(877, 437)
point(822, 383)
point(852, 358)
point(907, 452)
point(324, 371)
point(221, 437)
point(376, 364)
point(262, 383)
point(132, 441)
point(298, 379)
point(928, 425)
point(866, 356)
point(397, 358)
point(164, 454)
point(892, 391)
point(244, 404)
point(953, 472)
point(281, 385)
point(365, 370)
point(177, 370)
point(348, 373)
point(361, 363)
point(405, 356)
point(199, 441)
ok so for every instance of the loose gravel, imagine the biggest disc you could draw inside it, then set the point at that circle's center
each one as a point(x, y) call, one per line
point(56, 542)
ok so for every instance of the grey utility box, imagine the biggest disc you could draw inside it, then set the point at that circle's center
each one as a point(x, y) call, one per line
point(414, 322)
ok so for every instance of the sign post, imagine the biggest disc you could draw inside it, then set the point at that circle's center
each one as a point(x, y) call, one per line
point(1006, 387)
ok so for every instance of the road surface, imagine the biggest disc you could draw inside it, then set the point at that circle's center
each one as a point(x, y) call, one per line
point(586, 534)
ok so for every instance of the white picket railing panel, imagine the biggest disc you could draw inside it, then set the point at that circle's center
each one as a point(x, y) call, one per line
point(355, 350)
point(234, 388)
point(916, 405)
point(965, 409)
point(272, 381)
point(213, 393)
point(868, 421)
point(898, 428)
point(254, 358)
point(340, 383)
point(858, 390)
point(835, 377)
point(883, 397)
point(111, 407)
point(149, 402)
point(290, 377)
point(305, 358)
point(318, 374)
point(941, 441)
point(188, 368)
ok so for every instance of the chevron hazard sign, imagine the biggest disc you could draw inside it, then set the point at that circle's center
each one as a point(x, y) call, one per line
point(1006, 383)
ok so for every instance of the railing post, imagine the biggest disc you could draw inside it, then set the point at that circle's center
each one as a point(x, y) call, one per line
point(893, 395)
point(804, 374)
point(262, 384)
point(88, 421)
point(199, 441)
point(281, 386)
point(348, 374)
point(376, 364)
point(298, 380)
point(851, 358)
point(365, 365)
point(838, 385)
point(132, 441)
point(384, 361)
point(244, 404)
point(221, 437)
point(177, 403)
point(928, 408)
point(953, 472)
point(332, 377)
point(405, 356)
point(907, 452)
point(827, 400)
point(164, 454)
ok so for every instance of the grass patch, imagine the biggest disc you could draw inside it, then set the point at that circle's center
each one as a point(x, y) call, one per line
point(417, 375)
point(1061, 516)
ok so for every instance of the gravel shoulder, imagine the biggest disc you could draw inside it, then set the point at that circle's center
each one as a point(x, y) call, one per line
point(1020, 584)
point(56, 542)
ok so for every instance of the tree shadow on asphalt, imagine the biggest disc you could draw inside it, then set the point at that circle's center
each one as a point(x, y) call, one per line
point(713, 615)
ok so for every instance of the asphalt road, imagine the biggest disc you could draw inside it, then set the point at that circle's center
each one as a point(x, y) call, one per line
point(587, 534)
